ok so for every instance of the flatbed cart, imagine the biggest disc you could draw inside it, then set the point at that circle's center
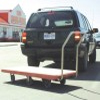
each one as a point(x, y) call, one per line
point(47, 74)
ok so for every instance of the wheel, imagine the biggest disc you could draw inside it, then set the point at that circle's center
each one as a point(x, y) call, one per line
point(92, 57)
point(32, 61)
point(12, 78)
point(47, 83)
point(82, 61)
point(62, 82)
point(29, 81)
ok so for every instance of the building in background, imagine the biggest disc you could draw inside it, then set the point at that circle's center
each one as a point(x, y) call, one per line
point(12, 23)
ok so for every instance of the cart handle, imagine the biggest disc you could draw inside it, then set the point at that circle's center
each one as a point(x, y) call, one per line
point(62, 53)
point(77, 49)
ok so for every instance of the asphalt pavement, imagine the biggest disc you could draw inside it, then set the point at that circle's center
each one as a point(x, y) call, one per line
point(84, 87)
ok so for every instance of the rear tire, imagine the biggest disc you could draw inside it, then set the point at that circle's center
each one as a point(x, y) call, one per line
point(92, 57)
point(82, 62)
point(32, 61)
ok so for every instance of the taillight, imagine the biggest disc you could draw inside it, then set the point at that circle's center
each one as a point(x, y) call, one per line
point(24, 34)
point(77, 35)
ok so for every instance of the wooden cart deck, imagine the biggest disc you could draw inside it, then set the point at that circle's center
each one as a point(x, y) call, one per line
point(44, 73)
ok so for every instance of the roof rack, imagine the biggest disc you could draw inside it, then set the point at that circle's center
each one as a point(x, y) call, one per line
point(53, 8)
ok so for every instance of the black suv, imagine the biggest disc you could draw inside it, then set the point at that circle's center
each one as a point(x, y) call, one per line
point(46, 31)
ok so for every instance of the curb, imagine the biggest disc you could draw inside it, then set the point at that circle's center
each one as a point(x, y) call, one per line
point(5, 45)
point(9, 44)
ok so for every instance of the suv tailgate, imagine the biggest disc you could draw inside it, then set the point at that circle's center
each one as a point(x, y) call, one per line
point(48, 37)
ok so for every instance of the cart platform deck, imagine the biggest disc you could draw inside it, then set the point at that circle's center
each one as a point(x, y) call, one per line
point(44, 73)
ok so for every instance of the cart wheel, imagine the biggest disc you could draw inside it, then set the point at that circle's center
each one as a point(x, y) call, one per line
point(29, 81)
point(12, 78)
point(62, 82)
point(47, 83)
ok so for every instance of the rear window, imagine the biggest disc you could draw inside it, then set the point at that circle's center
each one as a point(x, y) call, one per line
point(51, 19)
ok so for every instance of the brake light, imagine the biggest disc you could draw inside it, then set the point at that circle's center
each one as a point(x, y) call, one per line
point(24, 34)
point(77, 35)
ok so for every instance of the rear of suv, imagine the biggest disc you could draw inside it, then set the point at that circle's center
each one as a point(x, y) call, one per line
point(46, 31)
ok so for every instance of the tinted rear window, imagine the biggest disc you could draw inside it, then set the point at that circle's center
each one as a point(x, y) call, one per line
point(52, 19)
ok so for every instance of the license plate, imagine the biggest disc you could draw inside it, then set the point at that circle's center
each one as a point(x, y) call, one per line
point(49, 36)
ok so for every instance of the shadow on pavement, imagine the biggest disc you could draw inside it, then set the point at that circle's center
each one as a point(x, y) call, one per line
point(92, 74)
point(56, 88)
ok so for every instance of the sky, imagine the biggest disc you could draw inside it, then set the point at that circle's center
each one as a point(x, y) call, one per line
point(90, 8)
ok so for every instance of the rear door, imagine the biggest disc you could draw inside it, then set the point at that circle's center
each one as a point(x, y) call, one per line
point(50, 29)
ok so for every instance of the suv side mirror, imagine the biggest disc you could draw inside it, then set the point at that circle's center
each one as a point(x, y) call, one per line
point(95, 30)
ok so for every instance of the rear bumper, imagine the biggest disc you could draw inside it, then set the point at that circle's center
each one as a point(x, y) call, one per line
point(48, 53)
